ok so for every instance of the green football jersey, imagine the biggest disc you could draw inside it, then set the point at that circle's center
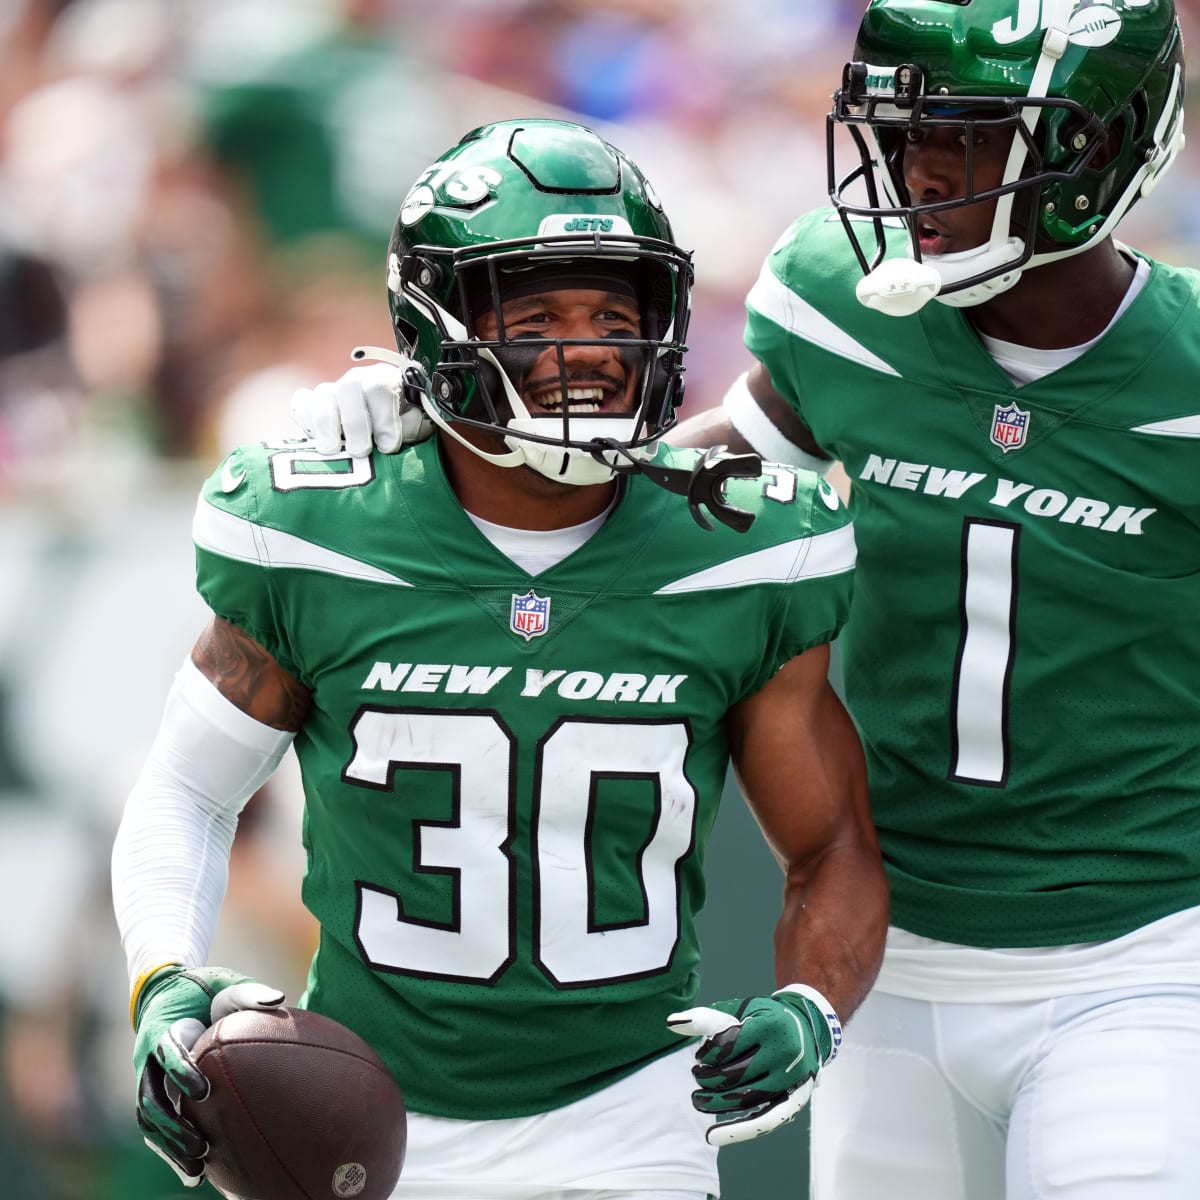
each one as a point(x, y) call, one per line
point(510, 779)
point(1023, 652)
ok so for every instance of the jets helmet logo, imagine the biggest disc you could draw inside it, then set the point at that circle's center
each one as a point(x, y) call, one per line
point(1087, 24)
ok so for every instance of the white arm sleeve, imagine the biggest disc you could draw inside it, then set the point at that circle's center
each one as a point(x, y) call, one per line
point(762, 433)
point(170, 861)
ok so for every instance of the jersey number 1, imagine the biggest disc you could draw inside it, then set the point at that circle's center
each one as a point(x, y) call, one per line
point(987, 608)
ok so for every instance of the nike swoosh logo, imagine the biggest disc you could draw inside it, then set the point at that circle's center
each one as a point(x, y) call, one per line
point(800, 1031)
point(230, 482)
point(1183, 427)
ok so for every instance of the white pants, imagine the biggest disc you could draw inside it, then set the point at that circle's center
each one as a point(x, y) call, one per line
point(639, 1139)
point(1085, 1097)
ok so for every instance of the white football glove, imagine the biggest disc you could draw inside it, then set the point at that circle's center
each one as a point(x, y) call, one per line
point(362, 411)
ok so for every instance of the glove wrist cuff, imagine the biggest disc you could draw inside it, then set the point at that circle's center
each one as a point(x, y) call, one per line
point(833, 1024)
point(146, 984)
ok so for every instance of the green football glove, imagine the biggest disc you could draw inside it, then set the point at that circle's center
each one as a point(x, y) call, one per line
point(759, 1059)
point(173, 1008)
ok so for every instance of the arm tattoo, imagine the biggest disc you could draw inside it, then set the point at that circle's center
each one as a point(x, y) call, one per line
point(246, 675)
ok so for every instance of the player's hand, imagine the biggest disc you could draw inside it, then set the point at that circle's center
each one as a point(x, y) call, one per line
point(759, 1059)
point(363, 410)
point(174, 1008)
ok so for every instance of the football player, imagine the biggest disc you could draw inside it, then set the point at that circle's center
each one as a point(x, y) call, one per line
point(515, 662)
point(1009, 390)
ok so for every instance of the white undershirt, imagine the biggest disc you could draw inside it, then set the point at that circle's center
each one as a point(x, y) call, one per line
point(1022, 364)
point(537, 550)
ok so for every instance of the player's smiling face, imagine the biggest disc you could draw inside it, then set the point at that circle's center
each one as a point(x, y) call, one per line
point(935, 169)
point(601, 378)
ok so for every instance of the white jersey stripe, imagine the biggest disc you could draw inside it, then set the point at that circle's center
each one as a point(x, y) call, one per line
point(778, 303)
point(1184, 427)
point(816, 557)
point(237, 538)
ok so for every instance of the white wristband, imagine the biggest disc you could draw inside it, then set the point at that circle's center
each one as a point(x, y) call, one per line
point(831, 1018)
point(762, 433)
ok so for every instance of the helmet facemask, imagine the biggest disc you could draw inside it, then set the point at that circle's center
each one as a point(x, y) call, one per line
point(1079, 156)
point(967, 277)
point(478, 381)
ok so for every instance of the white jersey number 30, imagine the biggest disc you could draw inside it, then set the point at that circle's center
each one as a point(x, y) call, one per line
point(566, 837)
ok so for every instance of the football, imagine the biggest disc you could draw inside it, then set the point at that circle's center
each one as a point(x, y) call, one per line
point(301, 1108)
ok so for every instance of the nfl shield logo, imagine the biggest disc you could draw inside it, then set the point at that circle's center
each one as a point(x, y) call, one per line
point(1009, 427)
point(529, 615)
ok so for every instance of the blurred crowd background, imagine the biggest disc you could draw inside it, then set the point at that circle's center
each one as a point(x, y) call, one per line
point(195, 199)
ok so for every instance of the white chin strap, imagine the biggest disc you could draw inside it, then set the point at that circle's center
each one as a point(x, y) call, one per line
point(970, 262)
point(952, 268)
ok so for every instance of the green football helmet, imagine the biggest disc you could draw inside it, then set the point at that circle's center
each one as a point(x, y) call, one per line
point(1092, 89)
point(510, 201)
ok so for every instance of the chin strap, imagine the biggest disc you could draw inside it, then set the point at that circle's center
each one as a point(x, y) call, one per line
point(702, 484)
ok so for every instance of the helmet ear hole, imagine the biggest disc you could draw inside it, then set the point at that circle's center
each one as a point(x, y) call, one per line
point(1138, 114)
point(1110, 148)
point(406, 332)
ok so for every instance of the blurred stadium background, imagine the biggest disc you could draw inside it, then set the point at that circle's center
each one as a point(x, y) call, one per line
point(195, 198)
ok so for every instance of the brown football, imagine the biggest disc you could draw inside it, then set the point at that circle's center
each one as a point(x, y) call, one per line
point(301, 1108)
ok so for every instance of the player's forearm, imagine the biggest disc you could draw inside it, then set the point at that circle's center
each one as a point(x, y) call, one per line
point(834, 922)
point(169, 870)
point(170, 858)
